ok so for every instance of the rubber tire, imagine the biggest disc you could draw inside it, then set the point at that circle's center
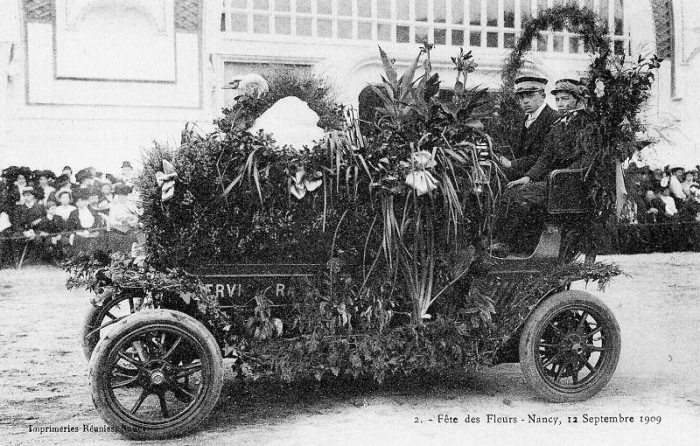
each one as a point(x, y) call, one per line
point(93, 319)
point(212, 373)
point(528, 357)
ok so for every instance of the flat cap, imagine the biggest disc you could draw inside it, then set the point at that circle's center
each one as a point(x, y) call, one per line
point(527, 84)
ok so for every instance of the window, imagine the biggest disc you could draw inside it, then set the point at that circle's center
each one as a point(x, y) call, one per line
point(480, 23)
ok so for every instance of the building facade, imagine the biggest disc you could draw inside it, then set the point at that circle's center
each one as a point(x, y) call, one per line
point(94, 82)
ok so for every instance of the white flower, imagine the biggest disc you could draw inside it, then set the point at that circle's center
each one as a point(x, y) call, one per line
point(423, 160)
point(301, 184)
point(599, 88)
point(422, 181)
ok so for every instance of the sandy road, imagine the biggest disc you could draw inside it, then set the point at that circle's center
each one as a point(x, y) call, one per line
point(43, 381)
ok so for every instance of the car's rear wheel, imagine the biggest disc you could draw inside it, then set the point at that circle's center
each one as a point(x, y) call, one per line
point(570, 347)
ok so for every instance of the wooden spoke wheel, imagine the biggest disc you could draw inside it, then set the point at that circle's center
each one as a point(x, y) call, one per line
point(157, 374)
point(570, 347)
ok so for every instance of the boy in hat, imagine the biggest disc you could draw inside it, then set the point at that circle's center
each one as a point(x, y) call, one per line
point(526, 196)
point(532, 131)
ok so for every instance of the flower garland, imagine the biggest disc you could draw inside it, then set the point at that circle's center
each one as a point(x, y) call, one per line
point(581, 21)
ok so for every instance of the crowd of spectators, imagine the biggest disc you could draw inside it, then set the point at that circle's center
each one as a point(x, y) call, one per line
point(54, 214)
point(661, 196)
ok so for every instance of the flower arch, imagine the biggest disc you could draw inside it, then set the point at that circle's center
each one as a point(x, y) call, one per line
point(582, 21)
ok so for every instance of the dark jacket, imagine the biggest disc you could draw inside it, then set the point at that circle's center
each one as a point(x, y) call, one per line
point(51, 226)
point(561, 149)
point(73, 222)
point(531, 141)
point(25, 218)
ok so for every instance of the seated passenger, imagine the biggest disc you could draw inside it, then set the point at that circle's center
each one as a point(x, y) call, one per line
point(522, 209)
point(532, 132)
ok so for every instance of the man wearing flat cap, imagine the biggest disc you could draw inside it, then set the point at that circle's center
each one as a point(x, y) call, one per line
point(539, 118)
point(525, 200)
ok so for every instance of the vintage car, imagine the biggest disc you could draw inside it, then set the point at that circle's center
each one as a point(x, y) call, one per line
point(157, 372)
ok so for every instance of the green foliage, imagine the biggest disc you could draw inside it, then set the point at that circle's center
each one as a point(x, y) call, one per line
point(169, 288)
point(438, 347)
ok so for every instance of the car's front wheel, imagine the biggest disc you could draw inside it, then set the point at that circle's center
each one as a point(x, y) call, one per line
point(156, 374)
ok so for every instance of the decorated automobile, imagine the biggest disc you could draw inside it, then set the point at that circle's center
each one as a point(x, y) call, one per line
point(363, 251)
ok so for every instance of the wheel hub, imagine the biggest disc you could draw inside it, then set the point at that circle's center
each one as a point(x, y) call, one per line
point(155, 374)
point(157, 377)
point(574, 344)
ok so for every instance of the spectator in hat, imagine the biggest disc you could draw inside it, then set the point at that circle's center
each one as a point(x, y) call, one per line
point(83, 218)
point(20, 184)
point(68, 172)
point(64, 208)
point(50, 222)
point(688, 182)
point(111, 178)
point(670, 211)
point(127, 174)
point(44, 176)
point(674, 183)
point(84, 178)
point(49, 229)
point(94, 197)
point(532, 131)
point(106, 197)
point(122, 215)
point(63, 184)
point(523, 206)
point(28, 214)
point(654, 209)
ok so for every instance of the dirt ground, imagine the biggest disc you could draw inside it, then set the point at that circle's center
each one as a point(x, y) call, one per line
point(43, 381)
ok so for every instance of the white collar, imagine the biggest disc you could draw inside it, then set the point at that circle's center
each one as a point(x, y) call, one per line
point(534, 115)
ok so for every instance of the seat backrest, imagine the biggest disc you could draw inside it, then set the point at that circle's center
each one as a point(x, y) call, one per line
point(567, 192)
